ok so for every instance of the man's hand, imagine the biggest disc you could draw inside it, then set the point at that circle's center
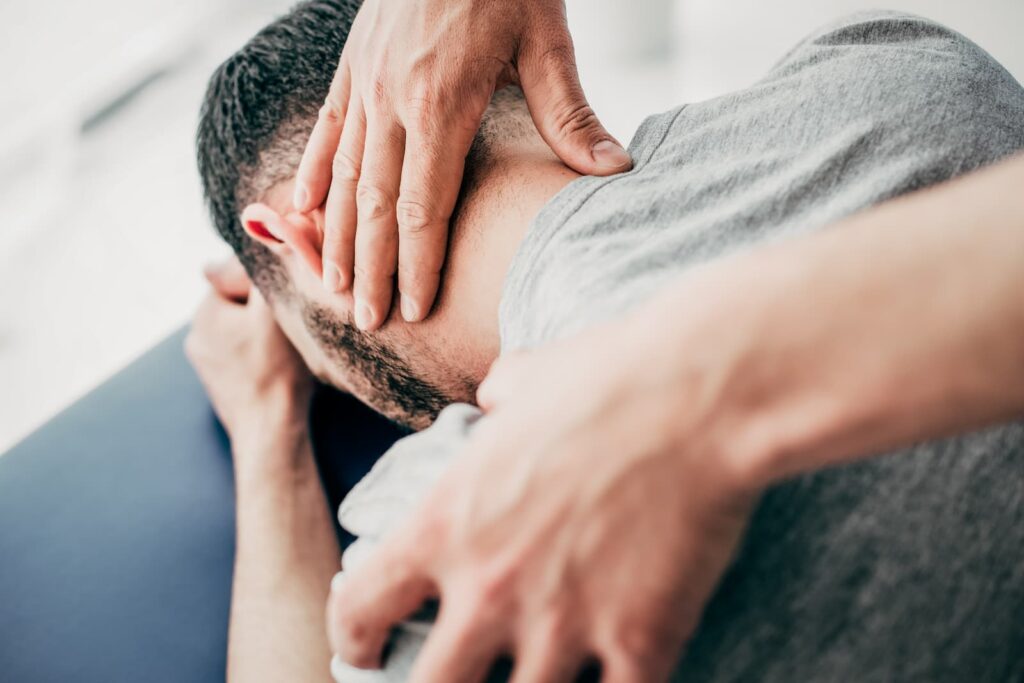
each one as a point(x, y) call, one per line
point(254, 378)
point(388, 149)
point(286, 550)
point(579, 526)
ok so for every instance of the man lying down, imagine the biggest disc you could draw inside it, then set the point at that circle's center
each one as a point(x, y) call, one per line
point(898, 567)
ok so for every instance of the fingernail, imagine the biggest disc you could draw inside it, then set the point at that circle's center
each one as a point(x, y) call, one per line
point(364, 315)
point(300, 197)
point(610, 155)
point(338, 579)
point(410, 311)
point(332, 277)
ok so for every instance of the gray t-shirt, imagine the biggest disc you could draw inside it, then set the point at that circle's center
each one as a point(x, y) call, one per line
point(904, 567)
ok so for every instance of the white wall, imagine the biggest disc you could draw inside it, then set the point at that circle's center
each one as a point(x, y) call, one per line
point(722, 45)
point(727, 44)
point(102, 233)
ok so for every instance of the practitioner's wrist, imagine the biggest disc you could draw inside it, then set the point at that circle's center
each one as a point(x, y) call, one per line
point(701, 348)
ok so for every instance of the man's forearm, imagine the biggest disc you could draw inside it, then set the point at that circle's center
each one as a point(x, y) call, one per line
point(901, 324)
point(286, 555)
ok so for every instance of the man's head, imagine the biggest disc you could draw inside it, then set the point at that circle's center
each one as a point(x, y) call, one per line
point(259, 109)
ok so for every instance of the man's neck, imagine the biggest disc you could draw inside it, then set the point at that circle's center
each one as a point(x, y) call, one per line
point(492, 221)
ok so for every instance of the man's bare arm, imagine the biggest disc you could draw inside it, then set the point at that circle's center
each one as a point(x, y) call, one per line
point(286, 549)
point(901, 324)
point(286, 555)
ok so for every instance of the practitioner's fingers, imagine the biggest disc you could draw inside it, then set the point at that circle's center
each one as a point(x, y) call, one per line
point(464, 644)
point(313, 178)
point(502, 379)
point(340, 212)
point(368, 602)
point(440, 133)
point(550, 81)
point(548, 653)
point(376, 251)
point(633, 654)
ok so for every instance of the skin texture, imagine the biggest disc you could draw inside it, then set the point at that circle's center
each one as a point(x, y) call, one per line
point(604, 494)
point(454, 348)
point(387, 153)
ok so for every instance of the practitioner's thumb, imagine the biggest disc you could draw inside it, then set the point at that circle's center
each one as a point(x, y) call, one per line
point(562, 114)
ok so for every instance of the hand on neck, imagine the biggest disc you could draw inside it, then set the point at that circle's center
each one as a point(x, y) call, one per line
point(491, 222)
point(454, 347)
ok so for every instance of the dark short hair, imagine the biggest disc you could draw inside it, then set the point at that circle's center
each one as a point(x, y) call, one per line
point(259, 109)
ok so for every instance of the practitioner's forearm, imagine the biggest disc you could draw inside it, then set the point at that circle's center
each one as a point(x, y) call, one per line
point(286, 555)
point(901, 324)
point(935, 339)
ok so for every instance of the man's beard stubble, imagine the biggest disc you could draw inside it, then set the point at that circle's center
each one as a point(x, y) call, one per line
point(392, 387)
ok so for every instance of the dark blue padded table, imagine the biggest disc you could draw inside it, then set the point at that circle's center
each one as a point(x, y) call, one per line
point(117, 527)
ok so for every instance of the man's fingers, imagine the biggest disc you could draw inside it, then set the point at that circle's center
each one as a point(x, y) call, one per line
point(229, 280)
point(313, 178)
point(215, 315)
point(340, 212)
point(366, 603)
point(214, 311)
point(259, 308)
point(438, 141)
point(376, 251)
point(547, 73)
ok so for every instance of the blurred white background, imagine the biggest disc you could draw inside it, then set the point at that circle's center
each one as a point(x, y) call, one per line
point(102, 228)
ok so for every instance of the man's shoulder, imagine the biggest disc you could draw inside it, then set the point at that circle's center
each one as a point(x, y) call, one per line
point(885, 28)
point(897, 52)
point(906, 81)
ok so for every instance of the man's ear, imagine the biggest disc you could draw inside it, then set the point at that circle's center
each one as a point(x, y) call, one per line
point(293, 232)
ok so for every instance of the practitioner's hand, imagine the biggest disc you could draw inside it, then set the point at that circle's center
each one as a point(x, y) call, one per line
point(590, 519)
point(388, 149)
point(258, 384)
